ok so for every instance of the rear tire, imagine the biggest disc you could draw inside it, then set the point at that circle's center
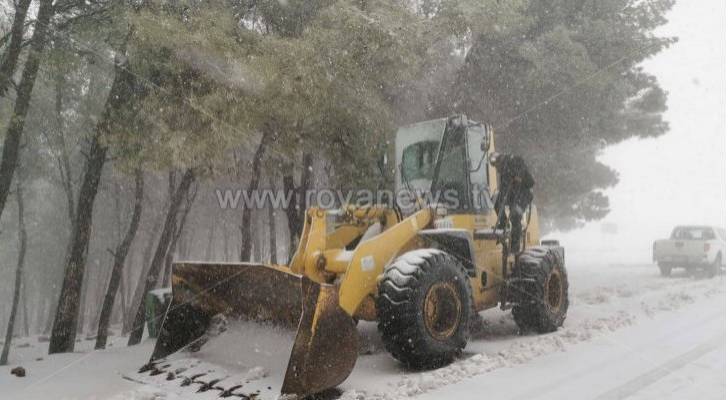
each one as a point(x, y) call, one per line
point(544, 300)
point(665, 270)
point(424, 307)
point(712, 270)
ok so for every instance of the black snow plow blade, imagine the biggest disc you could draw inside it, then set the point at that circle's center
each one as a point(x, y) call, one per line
point(234, 329)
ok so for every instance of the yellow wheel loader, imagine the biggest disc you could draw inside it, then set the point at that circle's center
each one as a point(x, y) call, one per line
point(422, 271)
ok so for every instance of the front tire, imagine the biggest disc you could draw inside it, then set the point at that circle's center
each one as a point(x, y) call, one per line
point(712, 270)
point(665, 270)
point(424, 307)
point(544, 291)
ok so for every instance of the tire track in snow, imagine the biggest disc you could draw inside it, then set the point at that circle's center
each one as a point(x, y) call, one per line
point(642, 381)
point(575, 377)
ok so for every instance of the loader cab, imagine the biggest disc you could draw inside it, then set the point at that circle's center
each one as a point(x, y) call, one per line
point(444, 161)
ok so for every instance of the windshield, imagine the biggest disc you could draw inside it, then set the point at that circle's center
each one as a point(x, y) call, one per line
point(416, 148)
point(693, 233)
point(452, 176)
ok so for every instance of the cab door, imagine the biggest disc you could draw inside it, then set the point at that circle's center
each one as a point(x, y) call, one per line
point(479, 142)
point(483, 181)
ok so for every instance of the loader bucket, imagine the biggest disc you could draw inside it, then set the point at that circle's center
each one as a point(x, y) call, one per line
point(243, 324)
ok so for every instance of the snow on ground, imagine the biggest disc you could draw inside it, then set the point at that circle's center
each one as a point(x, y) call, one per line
point(603, 299)
point(629, 334)
point(84, 374)
point(261, 372)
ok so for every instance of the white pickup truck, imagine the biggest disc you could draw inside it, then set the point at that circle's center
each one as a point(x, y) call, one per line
point(691, 247)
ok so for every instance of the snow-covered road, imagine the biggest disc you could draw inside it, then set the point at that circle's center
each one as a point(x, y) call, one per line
point(626, 327)
point(629, 334)
point(675, 355)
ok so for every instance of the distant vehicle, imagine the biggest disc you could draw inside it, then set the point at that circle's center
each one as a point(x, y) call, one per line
point(691, 247)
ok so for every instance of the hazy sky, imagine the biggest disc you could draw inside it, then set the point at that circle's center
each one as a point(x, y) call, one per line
point(678, 178)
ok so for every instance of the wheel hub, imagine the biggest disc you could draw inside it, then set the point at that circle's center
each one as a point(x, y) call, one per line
point(553, 290)
point(442, 310)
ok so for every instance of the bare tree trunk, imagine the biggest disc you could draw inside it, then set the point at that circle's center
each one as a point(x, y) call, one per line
point(126, 287)
point(181, 246)
point(65, 172)
point(167, 270)
point(257, 236)
point(246, 241)
point(162, 246)
point(272, 231)
point(225, 241)
point(123, 301)
point(175, 239)
point(147, 254)
point(82, 302)
point(23, 241)
point(210, 237)
point(146, 264)
point(63, 159)
point(24, 294)
point(170, 193)
point(97, 300)
point(184, 244)
point(63, 335)
point(106, 273)
point(297, 209)
point(119, 259)
point(11, 146)
point(289, 188)
point(12, 53)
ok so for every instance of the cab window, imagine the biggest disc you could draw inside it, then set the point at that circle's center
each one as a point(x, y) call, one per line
point(452, 177)
point(418, 160)
point(479, 168)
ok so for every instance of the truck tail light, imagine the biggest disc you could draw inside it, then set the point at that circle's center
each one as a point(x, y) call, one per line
point(706, 247)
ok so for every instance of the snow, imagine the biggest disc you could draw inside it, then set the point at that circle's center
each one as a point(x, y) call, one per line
point(408, 262)
point(629, 334)
point(84, 374)
point(604, 300)
point(161, 294)
point(345, 256)
point(616, 366)
point(245, 353)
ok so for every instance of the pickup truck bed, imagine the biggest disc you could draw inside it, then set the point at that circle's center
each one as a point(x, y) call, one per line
point(691, 247)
